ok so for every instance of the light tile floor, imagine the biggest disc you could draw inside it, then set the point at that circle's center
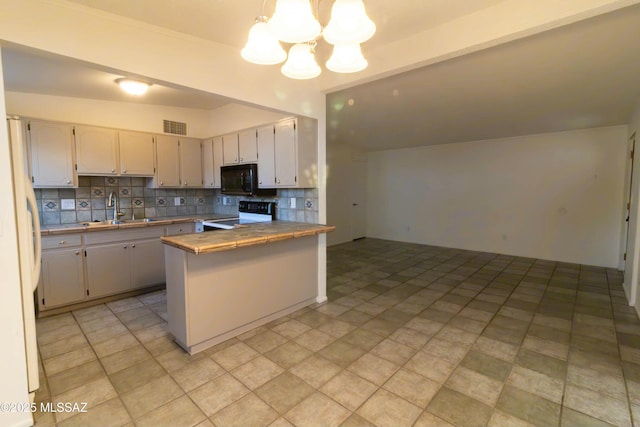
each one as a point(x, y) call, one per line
point(412, 335)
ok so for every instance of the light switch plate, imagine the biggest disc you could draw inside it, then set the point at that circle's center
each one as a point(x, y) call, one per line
point(176, 201)
point(292, 202)
point(68, 204)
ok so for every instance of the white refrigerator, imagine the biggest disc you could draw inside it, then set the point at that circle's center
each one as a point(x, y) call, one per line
point(29, 248)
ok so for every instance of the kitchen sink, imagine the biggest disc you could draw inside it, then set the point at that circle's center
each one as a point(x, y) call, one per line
point(100, 223)
point(129, 221)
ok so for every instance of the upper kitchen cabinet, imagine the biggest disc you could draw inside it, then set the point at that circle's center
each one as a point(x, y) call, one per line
point(290, 152)
point(178, 162)
point(190, 162)
point(52, 154)
point(211, 162)
point(96, 150)
point(240, 147)
point(266, 157)
point(167, 162)
point(137, 154)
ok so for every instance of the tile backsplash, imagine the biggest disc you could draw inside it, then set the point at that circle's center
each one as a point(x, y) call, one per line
point(88, 202)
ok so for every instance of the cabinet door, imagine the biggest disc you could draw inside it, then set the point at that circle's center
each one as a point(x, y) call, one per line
point(230, 149)
point(247, 149)
point(177, 229)
point(62, 278)
point(108, 269)
point(211, 162)
point(52, 155)
point(285, 153)
point(190, 162)
point(136, 154)
point(168, 164)
point(96, 150)
point(266, 157)
point(147, 263)
point(208, 174)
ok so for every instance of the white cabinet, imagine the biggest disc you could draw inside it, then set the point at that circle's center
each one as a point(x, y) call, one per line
point(266, 157)
point(62, 272)
point(147, 263)
point(136, 154)
point(288, 157)
point(211, 162)
point(178, 162)
point(177, 229)
point(167, 162)
point(190, 163)
point(96, 150)
point(108, 270)
point(52, 155)
point(121, 261)
point(285, 159)
point(247, 148)
point(240, 147)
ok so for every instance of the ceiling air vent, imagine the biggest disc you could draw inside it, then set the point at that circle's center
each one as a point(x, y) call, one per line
point(175, 128)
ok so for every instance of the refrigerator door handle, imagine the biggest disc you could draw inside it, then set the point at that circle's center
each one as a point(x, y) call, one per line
point(31, 201)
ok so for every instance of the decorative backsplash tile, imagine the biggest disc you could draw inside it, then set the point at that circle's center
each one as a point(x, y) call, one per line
point(135, 199)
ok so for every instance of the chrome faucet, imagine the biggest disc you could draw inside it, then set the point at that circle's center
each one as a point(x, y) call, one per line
point(113, 202)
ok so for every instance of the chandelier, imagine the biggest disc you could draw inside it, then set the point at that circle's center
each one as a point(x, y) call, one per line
point(294, 22)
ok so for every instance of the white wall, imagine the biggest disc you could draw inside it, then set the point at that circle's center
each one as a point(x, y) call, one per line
point(119, 115)
point(633, 245)
point(233, 117)
point(13, 371)
point(553, 196)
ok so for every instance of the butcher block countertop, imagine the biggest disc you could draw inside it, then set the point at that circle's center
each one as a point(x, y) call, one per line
point(244, 235)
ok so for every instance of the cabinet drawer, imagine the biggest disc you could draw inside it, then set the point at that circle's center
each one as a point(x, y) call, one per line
point(181, 228)
point(61, 241)
point(99, 237)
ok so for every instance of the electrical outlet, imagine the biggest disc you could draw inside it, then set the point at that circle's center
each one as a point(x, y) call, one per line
point(176, 201)
point(67, 204)
point(225, 201)
point(292, 202)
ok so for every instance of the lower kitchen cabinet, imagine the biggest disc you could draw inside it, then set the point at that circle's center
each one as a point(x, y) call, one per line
point(61, 278)
point(108, 270)
point(147, 263)
point(121, 261)
point(183, 228)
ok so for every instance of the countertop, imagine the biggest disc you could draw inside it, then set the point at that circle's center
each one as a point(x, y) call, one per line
point(245, 235)
point(80, 228)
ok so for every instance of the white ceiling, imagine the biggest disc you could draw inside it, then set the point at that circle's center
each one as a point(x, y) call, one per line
point(582, 75)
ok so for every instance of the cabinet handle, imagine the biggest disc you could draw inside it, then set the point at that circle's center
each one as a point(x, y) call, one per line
point(68, 181)
point(125, 246)
point(133, 246)
point(77, 252)
point(161, 183)
point(277, 181)
point(241, 159)
point(62, 242)
point(124, 171)
point(113, 171)
point(260, 182)
point(186, 183)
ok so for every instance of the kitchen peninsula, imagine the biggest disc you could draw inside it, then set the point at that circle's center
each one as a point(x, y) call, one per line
point(223, 283)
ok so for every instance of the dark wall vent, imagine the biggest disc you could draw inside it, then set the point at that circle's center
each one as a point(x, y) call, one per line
point(175, 128)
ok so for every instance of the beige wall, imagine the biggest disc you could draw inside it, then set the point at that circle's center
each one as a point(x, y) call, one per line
point(553, 196)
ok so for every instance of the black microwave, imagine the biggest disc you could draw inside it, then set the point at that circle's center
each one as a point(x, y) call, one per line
point(242, 180)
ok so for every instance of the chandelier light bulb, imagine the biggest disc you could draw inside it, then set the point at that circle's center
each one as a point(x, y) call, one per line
point(349, 23)
point(293, 21)
point(262, 46)
point(347, 58)
point(301, 63)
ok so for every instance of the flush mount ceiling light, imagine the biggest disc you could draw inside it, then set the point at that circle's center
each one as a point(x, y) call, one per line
point(294, 22)
point(133, 87)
